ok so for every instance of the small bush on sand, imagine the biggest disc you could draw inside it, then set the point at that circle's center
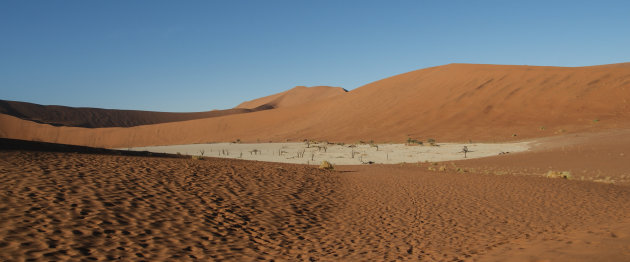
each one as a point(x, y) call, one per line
point(197, 157)
point(559, 174)
point(411, 141)
point(326, 166)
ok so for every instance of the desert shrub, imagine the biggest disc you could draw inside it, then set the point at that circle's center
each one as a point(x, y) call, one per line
point(559, 174)
point(326, 166)
point(411, 141)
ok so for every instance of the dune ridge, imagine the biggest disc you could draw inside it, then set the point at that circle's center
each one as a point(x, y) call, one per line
point(99, 117)
point(455, 102)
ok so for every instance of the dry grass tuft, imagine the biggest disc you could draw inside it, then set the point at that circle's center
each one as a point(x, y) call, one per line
point(559, 174)
point(326, 166)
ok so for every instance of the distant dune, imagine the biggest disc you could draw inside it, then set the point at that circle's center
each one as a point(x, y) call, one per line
point(298, 95)
point(97, 117)
point(455, 102)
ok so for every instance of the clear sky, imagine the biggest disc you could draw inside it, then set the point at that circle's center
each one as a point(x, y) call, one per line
point(203, 55)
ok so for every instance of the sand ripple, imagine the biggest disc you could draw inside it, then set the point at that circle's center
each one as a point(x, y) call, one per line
point(65, 206)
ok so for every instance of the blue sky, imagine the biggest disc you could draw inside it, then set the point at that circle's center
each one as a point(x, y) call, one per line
point(203, 55)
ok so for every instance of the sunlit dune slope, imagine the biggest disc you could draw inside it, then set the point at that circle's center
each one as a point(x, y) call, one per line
point(455, 102)
point(298, 95)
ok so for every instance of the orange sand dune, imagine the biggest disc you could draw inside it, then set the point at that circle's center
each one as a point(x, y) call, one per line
point(97, 117)
point(456, 102)
point(298, 95)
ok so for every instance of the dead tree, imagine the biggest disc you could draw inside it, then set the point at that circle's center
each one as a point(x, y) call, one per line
point(465, 151)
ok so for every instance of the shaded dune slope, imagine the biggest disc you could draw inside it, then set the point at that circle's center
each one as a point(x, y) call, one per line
point(456, 102)
point(98, 117)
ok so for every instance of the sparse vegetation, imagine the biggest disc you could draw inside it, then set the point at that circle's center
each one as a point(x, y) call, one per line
point(411, 141)
point(353, 153)
point(559, 174)
point(465, 151)
point(320, 148)
point(301, 154)
point(326, 165)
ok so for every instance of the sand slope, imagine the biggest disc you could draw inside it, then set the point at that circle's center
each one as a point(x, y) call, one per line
point(598, 156)
point(69, 206)
point(456, 102)
point(296, 96)
point(98, 117)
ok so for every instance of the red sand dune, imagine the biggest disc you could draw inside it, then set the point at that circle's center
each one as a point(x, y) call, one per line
point(97, 117)
point(298, 95)
point(455, 102)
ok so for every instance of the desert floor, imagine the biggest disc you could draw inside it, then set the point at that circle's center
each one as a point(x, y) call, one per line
point(76, 206)
point(341, 154)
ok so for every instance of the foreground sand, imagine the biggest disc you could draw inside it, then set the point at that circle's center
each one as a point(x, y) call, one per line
point(68, 206)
